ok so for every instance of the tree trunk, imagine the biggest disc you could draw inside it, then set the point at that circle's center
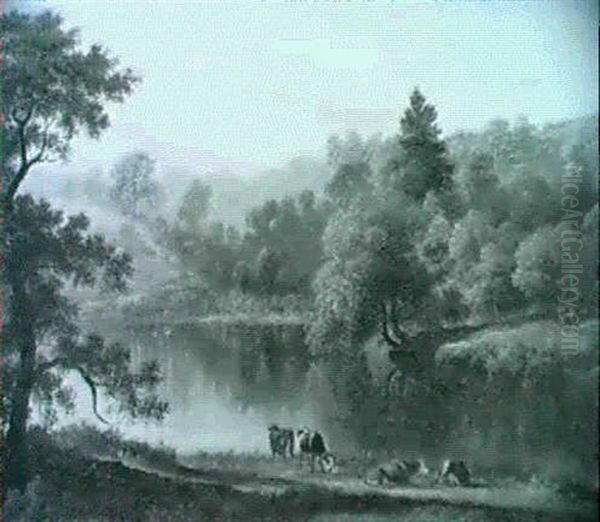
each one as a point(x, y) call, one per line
point(17, 469)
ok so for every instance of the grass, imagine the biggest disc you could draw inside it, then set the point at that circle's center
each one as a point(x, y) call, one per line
point(72, 484)
point(256, 471)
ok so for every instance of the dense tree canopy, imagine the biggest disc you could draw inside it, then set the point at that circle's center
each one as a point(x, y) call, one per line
point(416, 245)
point(371, 240)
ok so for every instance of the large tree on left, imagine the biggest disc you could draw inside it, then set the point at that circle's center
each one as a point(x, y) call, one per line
point(51, 91)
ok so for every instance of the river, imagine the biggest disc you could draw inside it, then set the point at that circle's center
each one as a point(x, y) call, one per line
point(225, 385)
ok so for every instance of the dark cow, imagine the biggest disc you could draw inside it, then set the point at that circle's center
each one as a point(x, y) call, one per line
point(312, 444)
point(455, 473)
point(281, 441)
point(400, 471)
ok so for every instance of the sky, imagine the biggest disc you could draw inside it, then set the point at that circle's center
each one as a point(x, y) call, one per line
point(244, 86)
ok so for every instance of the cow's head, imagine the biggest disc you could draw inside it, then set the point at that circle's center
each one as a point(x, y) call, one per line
point(327, 463)
point(302, 432)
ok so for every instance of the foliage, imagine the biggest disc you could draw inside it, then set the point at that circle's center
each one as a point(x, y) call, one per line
point(45, 252)
point(178, 299)
point(371, 258)
point(505, 248)
point(423, 237)
point(350, 161)
point(278, 254)
point(538, 263)
point(544, 394)
point(419, 163)
point(51, 91)
point(195, 206)
point(531, 349)
point(209, 252)
point(134, 191)
point(282, 247)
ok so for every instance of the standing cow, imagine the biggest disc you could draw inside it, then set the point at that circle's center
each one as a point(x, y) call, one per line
point(281, 441)
point(312, 444)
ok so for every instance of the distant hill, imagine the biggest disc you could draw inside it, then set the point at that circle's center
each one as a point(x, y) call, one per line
point(234, 194)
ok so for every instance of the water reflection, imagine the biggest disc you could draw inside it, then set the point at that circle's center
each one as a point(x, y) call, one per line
point(225, 385)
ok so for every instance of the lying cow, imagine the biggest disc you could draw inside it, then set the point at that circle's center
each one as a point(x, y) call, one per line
point(281, 441)
point(455, 473)
point(312, 444)
point(400, 471)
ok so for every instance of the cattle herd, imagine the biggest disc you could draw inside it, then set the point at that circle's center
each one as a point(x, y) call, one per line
point(310, 446)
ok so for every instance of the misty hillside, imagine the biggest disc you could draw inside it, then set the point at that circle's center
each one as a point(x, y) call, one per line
point(234, 195)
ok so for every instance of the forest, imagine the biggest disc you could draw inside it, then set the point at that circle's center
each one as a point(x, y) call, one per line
point(420, 293)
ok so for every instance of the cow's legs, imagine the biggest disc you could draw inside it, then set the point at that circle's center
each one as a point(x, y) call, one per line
point(274, 451)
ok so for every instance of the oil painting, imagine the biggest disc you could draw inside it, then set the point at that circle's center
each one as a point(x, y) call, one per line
point(303, 260)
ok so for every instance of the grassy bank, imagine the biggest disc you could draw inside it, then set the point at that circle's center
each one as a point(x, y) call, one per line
point(70, 485)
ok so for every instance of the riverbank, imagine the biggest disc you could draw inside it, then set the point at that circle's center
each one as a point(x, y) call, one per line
point(142, 487)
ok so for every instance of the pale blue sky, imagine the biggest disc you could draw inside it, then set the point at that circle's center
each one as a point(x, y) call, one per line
point(248, 85)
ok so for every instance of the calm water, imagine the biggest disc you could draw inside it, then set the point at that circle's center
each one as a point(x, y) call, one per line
point(225, 386)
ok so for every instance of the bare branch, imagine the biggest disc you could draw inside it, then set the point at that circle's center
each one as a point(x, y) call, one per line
point(40, 155)
point(393, 320)
point(399, 344)
point(25, 163)
point(22, 121)
point(92, 386)
point(396, 343)
point(23, 146)
point(21, 173)
point(390, 379)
